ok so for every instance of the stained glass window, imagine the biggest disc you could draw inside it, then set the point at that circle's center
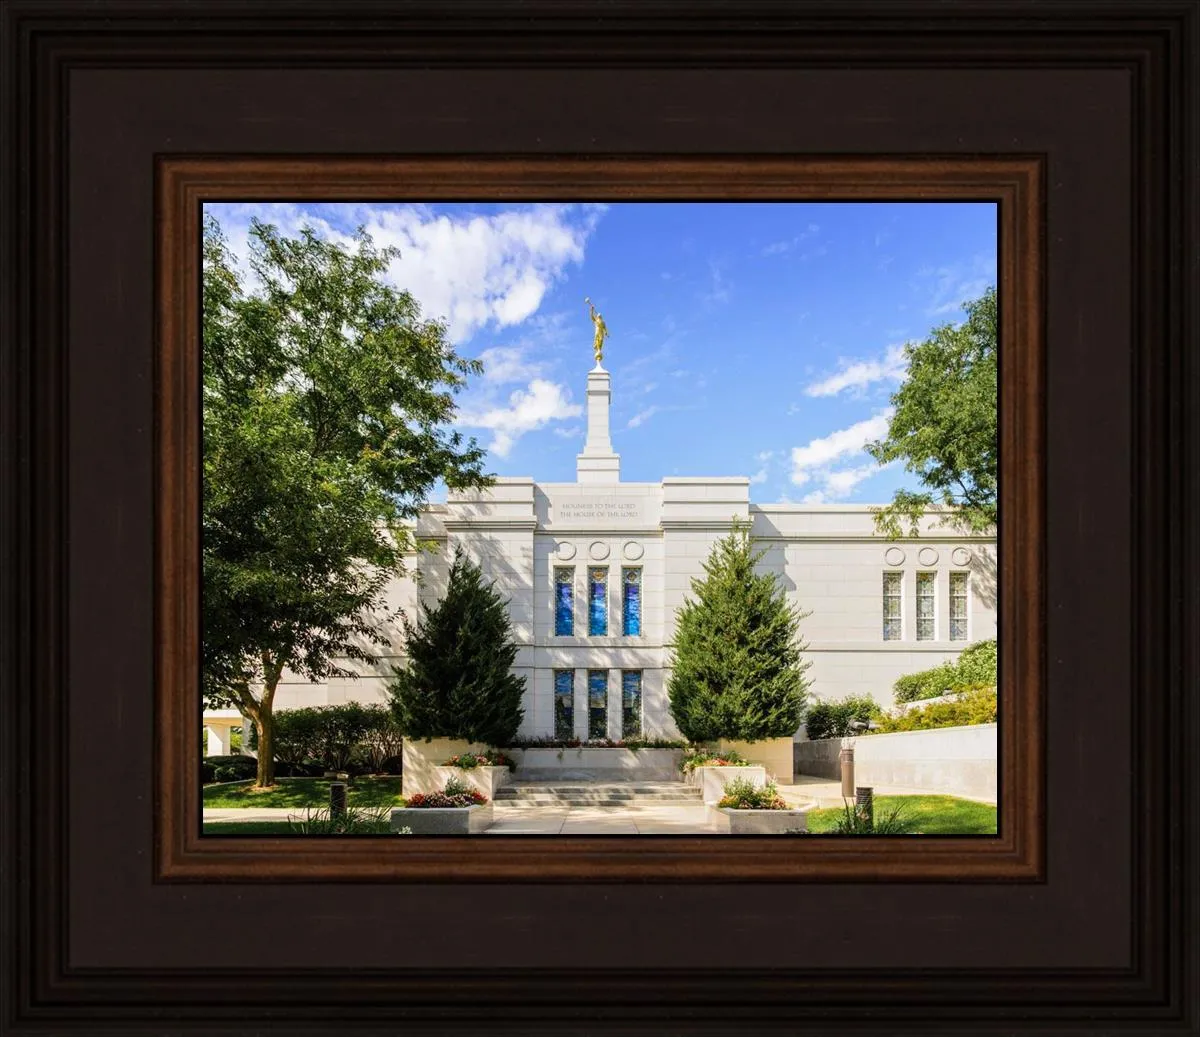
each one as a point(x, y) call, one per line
point(958, 606)
point(631, 703)
point(564, 703)
point(891, 607)
point(597, 703)
point(597, 602)
point(564, 602)
point(925, 592)
point(631, 602)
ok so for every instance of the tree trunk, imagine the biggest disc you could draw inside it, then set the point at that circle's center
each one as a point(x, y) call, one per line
point(265, 725)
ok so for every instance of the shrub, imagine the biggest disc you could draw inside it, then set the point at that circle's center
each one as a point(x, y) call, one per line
point(833, 719)
point(701, 757)
point(489, 758)
point(207, 773)
point(456, 793)
point(354, 821)
point(976, 665)
point(976, 705)
point(855, 821)
point(741, 794)
point(231, 768)
point(738, 670)
point(352, 737)
point(459, 681)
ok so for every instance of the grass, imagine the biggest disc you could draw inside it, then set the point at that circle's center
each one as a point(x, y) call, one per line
point(267, 828)
point(934, 815)
point(298, 793)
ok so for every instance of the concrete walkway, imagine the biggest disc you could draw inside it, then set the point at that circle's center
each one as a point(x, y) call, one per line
point(257, 814)
point(650, 819)
point(659, 819)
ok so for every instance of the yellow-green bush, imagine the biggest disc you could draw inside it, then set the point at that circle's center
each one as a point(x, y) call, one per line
point(977, 705)
point(976, 665)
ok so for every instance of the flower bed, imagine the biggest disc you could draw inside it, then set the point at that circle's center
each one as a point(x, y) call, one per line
point(434, 800)
point(749, 809)
point(487, 758)
point(703, 757)
point(457, 809)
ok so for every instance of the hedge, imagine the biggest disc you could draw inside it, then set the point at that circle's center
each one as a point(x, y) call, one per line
point(833, 719)
point(976, 705)
point(976, 666)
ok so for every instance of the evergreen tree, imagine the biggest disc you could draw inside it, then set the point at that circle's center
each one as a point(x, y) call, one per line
point(738, 671)
point(459, 681)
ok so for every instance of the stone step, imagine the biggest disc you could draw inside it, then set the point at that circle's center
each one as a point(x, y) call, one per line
point(627, 794)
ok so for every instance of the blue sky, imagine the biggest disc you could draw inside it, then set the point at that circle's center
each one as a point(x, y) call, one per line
point(756, 339)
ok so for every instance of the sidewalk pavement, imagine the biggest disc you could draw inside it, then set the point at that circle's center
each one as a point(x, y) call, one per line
point(657, 819)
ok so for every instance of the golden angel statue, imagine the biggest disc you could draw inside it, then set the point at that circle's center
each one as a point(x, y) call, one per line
point(601, 331)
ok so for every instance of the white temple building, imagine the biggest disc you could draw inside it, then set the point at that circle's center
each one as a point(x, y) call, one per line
point(595, 570)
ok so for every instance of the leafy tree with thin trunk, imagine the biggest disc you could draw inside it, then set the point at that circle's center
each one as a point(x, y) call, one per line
point(943, 426)
point(458, 682)
point(738, 671)
point(327, 402)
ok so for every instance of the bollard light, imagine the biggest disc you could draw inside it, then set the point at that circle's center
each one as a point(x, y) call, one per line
point(337, 799)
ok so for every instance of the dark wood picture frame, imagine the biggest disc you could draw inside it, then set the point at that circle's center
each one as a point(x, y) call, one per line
point(1089, 921)
point(1014, 183)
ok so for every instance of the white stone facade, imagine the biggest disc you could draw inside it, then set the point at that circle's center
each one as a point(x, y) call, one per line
point(829, 559)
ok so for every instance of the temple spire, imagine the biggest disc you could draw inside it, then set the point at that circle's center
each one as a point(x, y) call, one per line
point(598, 463)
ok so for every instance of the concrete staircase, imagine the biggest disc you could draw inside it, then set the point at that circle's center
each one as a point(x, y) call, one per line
point(598, 794)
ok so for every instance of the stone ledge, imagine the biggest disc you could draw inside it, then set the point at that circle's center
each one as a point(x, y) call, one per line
point(442, 820)
point(728, 821)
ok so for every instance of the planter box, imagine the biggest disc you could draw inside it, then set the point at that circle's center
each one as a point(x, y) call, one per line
point(443, 820)
point(728, 821)
point(422, 760)
point(712, 780)
point(596, 764)
point(485, 779)
point(775, 754)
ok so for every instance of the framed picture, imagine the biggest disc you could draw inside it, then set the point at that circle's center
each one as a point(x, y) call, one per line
point(178, 173)
point(580, 782)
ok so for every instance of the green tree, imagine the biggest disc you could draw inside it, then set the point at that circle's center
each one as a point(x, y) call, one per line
point(459, 681)
point(943, 426)
point(326, 403)
point(737, 669)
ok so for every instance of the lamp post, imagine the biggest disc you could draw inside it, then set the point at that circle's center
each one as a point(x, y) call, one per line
point(846, 758)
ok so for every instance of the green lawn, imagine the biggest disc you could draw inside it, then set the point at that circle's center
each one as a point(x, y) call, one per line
point(936, 815)
point(302, 792)
point(266, 828)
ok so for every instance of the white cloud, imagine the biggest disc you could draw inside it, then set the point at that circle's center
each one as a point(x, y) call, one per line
point(470, 271)
point(842, 443)
point(948, 287)
point(816, 463)
point(840, 484)
point(506, 364)
point(718, 290)
point(779, 248)
point(642, 416)
point(527, 410)
point(759, 477)
point(861, 373)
